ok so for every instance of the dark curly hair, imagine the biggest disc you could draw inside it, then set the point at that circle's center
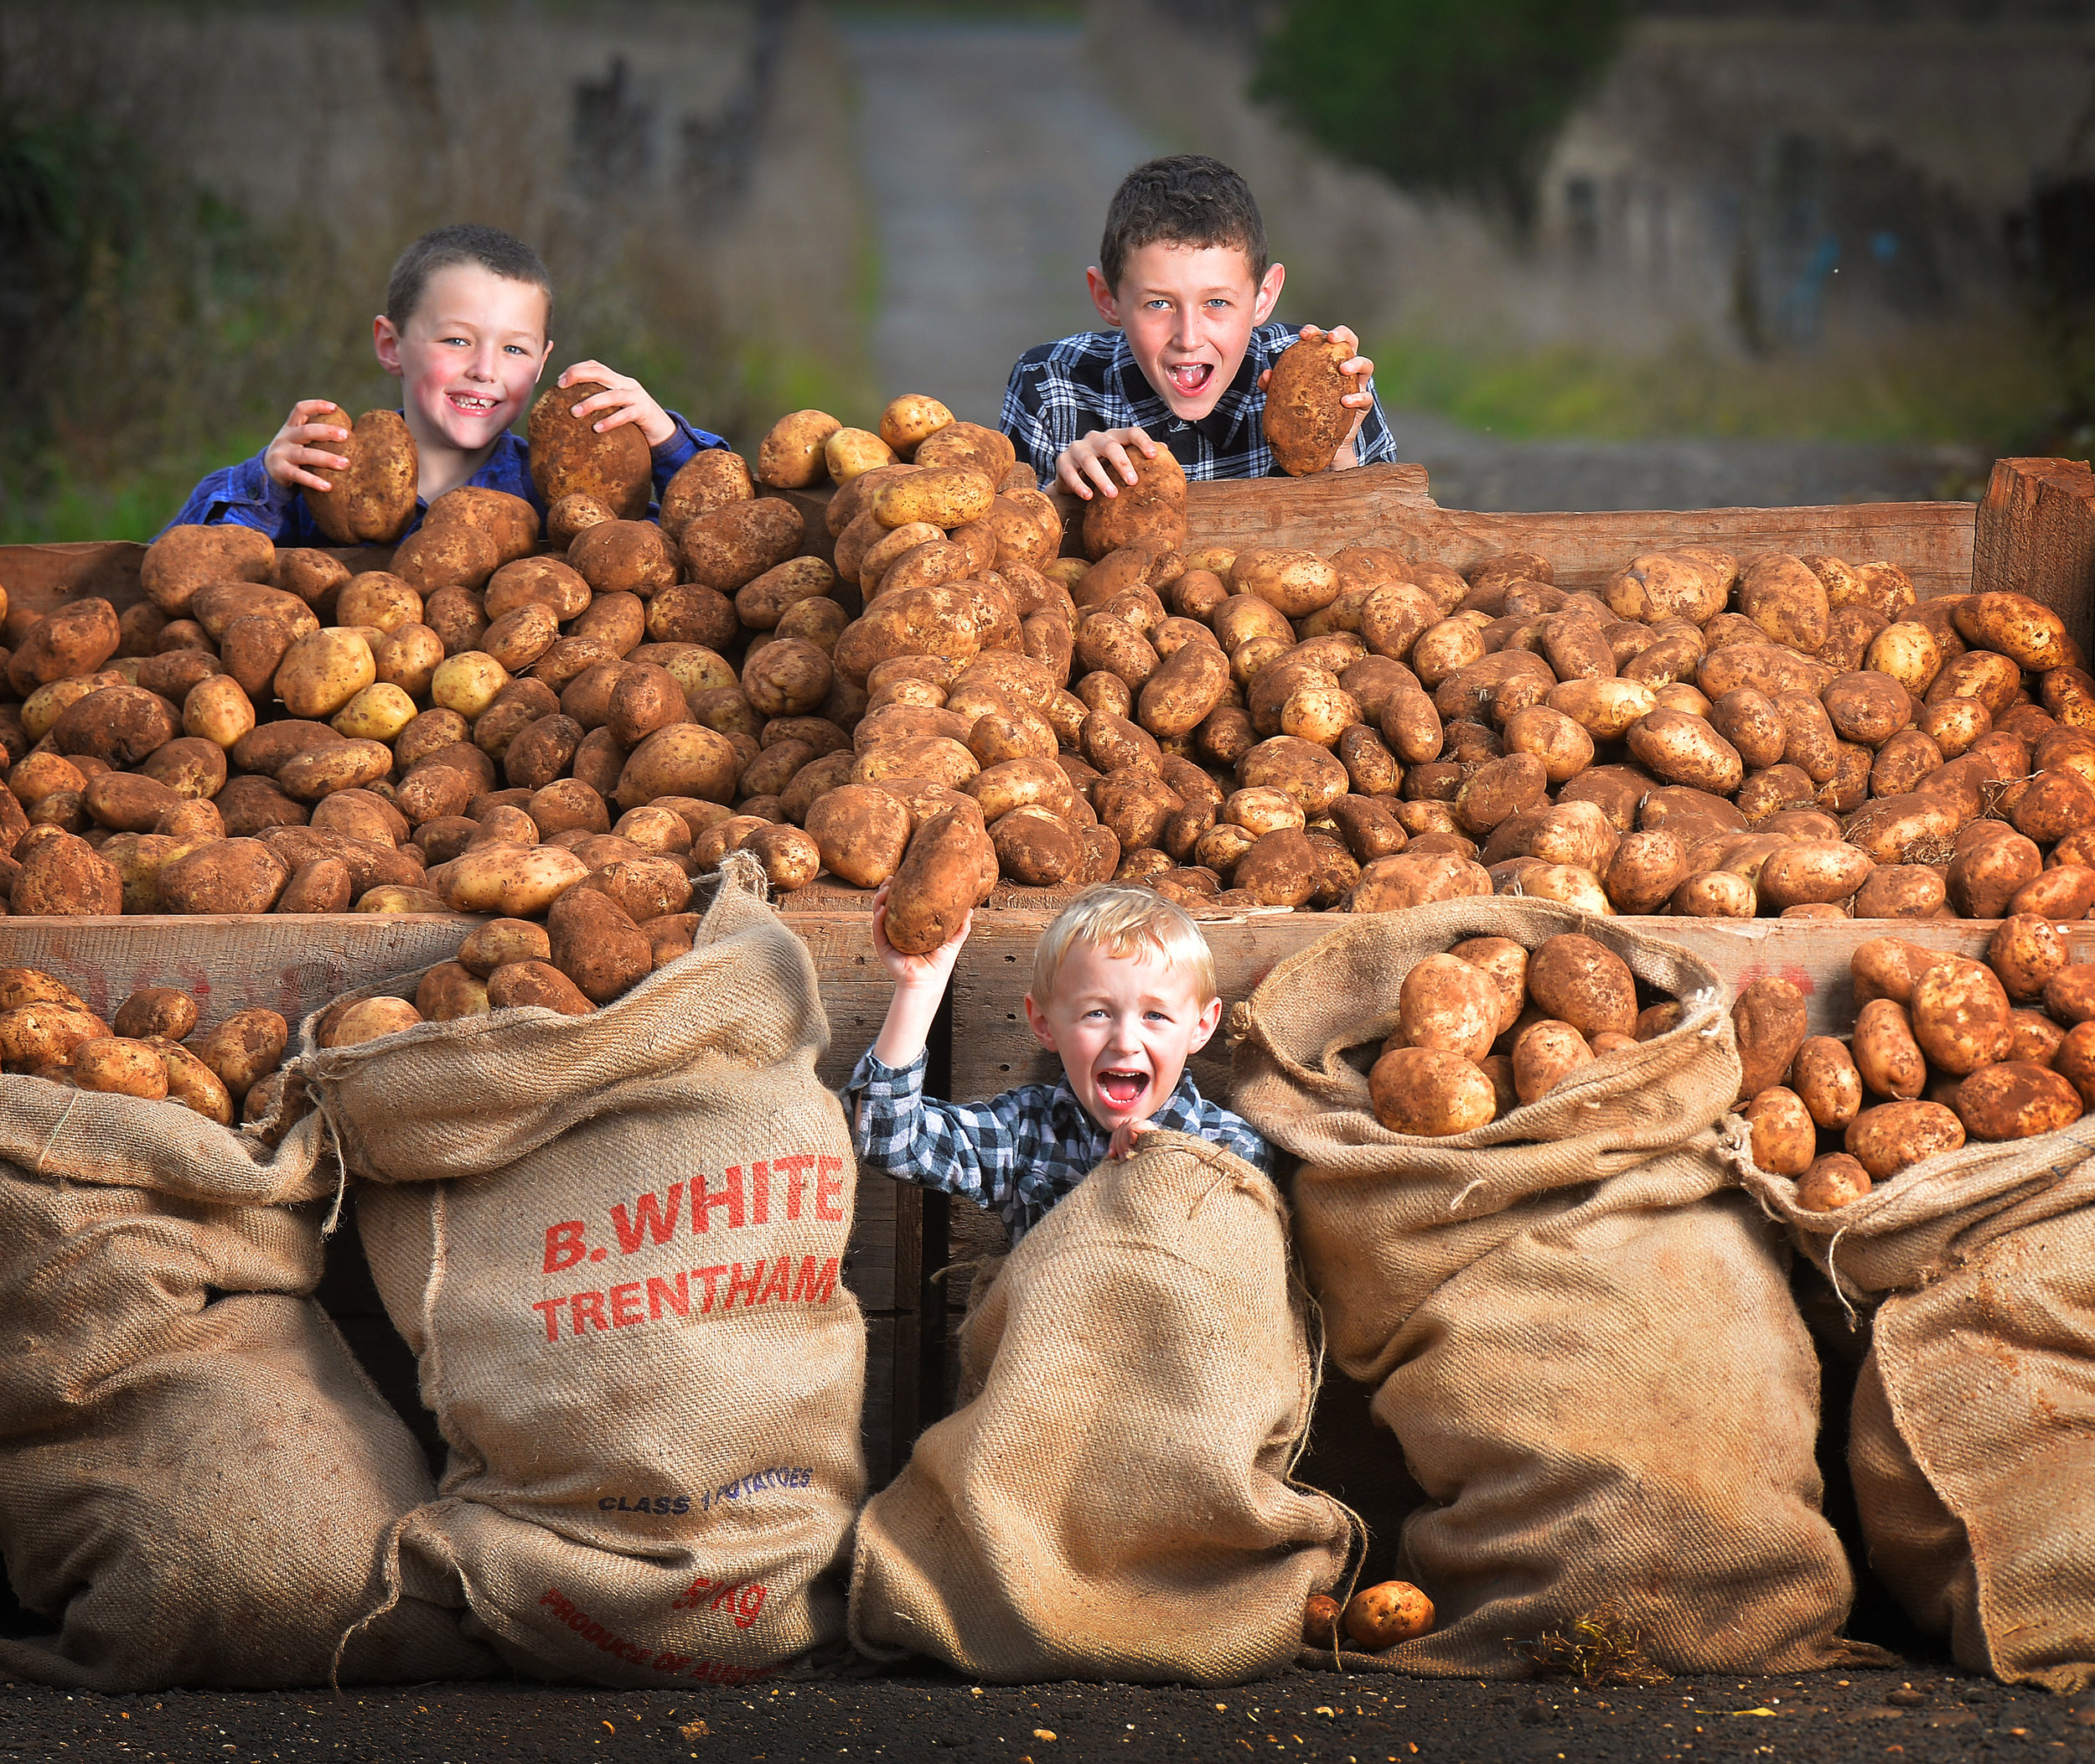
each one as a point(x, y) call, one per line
point(1187, 199)
point(504, 254)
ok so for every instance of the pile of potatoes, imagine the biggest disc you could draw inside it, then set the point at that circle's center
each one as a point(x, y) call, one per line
point(1492, 1025)
point(589, 951)
point(1945, 1050)
point(154, 1050)
point(503, 711)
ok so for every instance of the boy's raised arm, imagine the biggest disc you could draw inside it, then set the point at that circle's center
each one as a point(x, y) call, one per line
point(920, 983)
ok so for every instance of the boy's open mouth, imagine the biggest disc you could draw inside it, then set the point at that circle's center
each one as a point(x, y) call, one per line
point(469, 403)
point(1189, 379)
point(1123, 1089)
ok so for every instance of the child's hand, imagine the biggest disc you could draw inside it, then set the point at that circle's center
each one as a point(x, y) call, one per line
point(1359, 401)
point(1124, 1135)
point(1085, 461)
point(929, 971)
point(299, 447)
point(624, 400)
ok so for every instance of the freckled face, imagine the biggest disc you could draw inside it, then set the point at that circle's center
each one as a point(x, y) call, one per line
point(467, 357)
point(1125, 1026)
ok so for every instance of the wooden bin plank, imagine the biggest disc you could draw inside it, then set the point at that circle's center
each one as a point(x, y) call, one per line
point(292, 964)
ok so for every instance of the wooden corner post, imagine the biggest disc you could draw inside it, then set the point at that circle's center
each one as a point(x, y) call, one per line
point(2036, 536)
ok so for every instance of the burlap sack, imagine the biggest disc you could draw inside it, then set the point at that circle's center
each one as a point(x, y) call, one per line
point(1113, 1501)
point(613, 1242)
point(1972, 1438)
point(196, 1478)
point(1586, 1347)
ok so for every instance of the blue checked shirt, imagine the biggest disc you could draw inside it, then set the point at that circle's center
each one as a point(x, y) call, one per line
point(246, 495)
point(1062, 391)
point(1017, 1154)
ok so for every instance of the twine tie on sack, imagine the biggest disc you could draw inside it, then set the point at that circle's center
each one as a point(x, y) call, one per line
point(389, 1554)
point(57, 1128)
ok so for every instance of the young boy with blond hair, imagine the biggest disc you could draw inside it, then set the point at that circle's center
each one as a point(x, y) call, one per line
point(1123, 993)
point(1185, 287)
point(467, 332)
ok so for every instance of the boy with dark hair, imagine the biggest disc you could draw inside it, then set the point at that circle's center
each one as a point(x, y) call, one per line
point(1183, 282)
point(466, 331)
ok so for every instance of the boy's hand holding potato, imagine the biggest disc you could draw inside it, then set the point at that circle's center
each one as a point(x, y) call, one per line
point(1358, 368)
point(298, 447)
point(623, 399)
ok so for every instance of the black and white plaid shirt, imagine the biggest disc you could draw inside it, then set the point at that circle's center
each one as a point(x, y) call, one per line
point(1017, 1154)
point(1063, 392)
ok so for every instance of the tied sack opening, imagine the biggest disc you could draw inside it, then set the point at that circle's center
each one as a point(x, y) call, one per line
point(1972, 1438)
point(1585, 1346)
point(1113, 1501)
point(614, 1244)
point(196, 1476)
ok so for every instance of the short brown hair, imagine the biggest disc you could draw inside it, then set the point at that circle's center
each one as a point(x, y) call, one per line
point(1185, 199)
point(500, 253)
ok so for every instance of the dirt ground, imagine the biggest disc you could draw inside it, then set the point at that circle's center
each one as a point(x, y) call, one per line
point(1912, 1714)
point(989, 152)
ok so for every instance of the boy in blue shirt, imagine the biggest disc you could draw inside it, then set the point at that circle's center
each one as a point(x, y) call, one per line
point(469, 310)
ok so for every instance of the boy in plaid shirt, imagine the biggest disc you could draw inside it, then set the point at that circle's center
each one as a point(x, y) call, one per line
point(1182, 280)
point(1123, 993)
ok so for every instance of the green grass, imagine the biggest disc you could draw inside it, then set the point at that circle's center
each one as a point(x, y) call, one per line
point(1983, 385)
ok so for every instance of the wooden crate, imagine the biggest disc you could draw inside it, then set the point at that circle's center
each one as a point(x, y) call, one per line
point(2034, 532)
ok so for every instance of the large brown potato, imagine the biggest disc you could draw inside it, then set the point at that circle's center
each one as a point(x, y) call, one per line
point(595, 943)
point(862, 832)
point(1961, 1016)
point(372, 502)
point(243, 1049)
point(1305, 422)
point(66, 644)
point(791, 456)
point(519, 984)
point(60, 874)
point(1889, 1137)
point(709, 479)
point(1152, 508)
point(1583, 983)
point(1426, 1091)
point(1446, 1002)
point(2014, 1099)
point(938, 882)
point(625, 556)
point(1769, 1020)
point(184, 559)
point(570, 457)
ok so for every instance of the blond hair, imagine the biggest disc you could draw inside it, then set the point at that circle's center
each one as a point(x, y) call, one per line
point(1124, 922)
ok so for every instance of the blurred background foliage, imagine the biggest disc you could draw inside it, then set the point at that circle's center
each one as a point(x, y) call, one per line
point(174, 271)
point(1458, 97)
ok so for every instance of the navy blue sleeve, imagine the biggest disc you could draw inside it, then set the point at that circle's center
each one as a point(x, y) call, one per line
point(674, 453)
point(246, 495)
